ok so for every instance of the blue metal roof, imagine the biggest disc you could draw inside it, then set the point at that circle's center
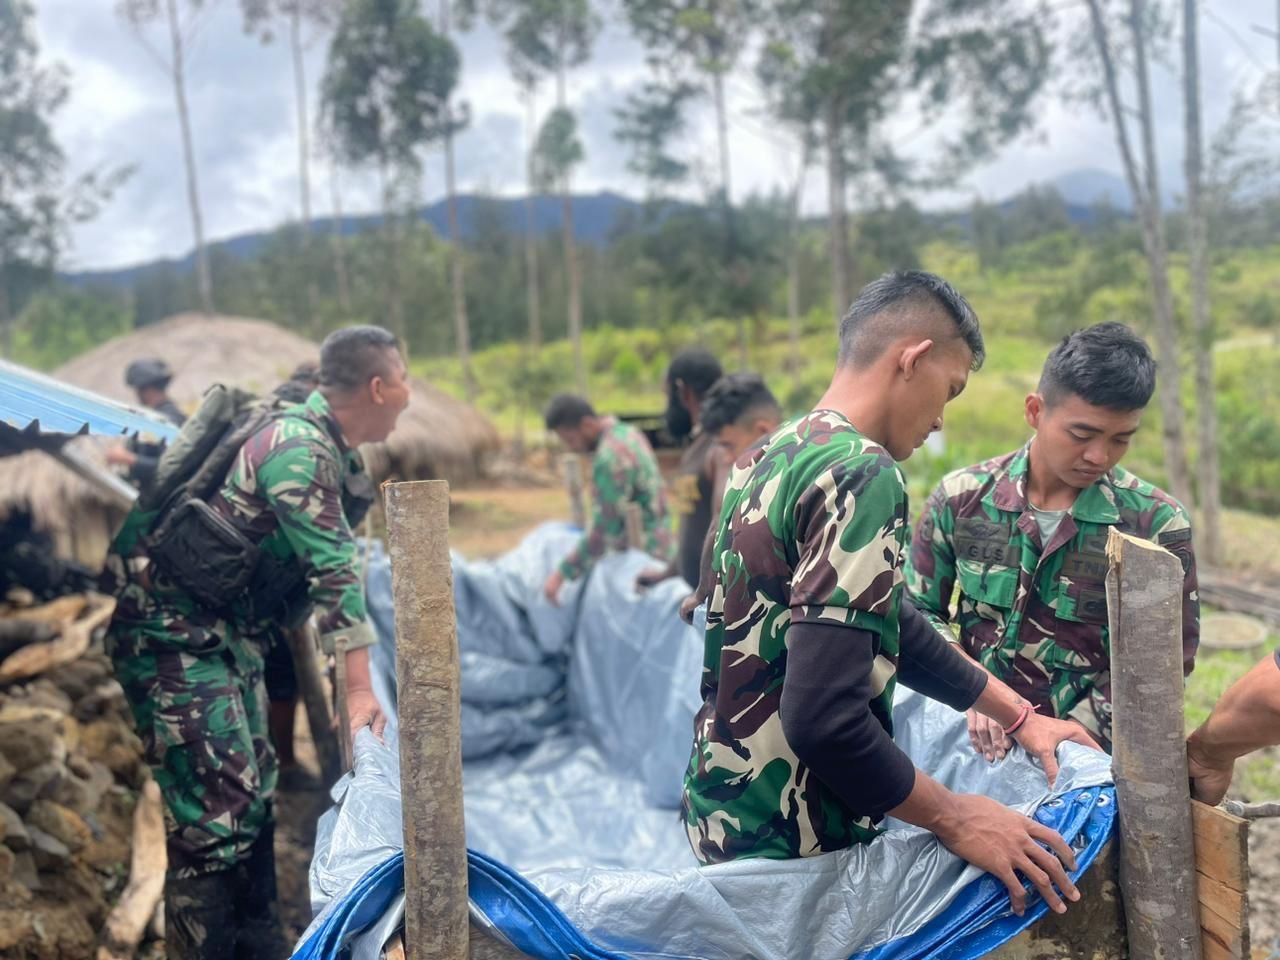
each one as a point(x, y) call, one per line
point(40, 406)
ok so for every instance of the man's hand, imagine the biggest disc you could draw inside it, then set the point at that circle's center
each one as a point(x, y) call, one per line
point(1040, 737)
point(363, 710)
point(988, 737)
point(1210, 778)
point(689, 605)
point(1005, 844)
point(653, 576)
point(119, 456)
point(551, 589)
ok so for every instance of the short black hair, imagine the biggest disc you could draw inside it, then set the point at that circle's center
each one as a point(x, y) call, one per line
point(1106, 365)
point(696, 368)
point(352, 356)
point(567, 410)
point(867, 328)
point(732, 398)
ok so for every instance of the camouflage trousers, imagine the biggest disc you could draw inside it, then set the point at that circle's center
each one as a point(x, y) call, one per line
point(195, 688)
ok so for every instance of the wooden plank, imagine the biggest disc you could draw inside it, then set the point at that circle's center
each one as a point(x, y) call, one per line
point(1222, 845)
point(315, 697)
point(571, 464)
point(1157, 860)
point(429, 698)
point(1222, 882)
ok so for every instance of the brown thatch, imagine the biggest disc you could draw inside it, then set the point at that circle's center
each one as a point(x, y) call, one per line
point(437, 436)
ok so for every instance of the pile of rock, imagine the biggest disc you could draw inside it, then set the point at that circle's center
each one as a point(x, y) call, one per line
point(70, 776)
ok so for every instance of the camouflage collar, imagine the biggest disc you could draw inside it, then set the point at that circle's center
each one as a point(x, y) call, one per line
point(319, 413)
point(1008, 492)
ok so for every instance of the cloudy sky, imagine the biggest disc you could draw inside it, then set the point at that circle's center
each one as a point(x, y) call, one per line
point(241, 95)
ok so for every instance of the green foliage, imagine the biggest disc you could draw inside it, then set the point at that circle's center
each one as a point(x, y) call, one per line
point(59, 324)
point(387, 84)
point(558, 149)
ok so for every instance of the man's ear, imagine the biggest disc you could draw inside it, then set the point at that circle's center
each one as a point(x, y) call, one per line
point(1033, 409)
point(377, 392)
point(910, 357)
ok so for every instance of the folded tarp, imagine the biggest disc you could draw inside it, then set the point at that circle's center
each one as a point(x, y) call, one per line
point(576, 843)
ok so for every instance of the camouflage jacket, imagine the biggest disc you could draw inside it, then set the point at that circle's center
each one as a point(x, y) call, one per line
point(285, 493)
point(624, 470)
point(812, 529)
point(1035, 614)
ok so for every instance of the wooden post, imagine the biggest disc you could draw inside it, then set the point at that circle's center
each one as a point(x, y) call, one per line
point(302, 645)
point(429, 701)
point(1157, 853)
point(340, 702)
point(571, 464)
point(635, 526)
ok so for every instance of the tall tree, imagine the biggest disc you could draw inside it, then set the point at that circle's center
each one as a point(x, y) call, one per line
point(844, 67)
point(37, 205)
point(457, 271)
point(384, 98)
point(140, 15)
point(701, 38)
point(1210, 484)
point(1144, 184)
point(263, 18)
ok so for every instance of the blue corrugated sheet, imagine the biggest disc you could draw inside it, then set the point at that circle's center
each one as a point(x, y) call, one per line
point(38, 405)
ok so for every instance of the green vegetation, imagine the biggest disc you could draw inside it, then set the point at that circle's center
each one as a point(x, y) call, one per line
point(1025, 304)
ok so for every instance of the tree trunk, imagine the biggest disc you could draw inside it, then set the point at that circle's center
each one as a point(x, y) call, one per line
point(300, 99)
point(1146, 199)
point(1209, 543)
point(722, 133)
point(1170, 383)
point(574, 279)
point(572, 273)
point(793, 264)
point(204, 283)
point(310, 295)
point(837, 216)
point(532, 295)
point(339, 245)
point(395, 309)
point(457, 269)
point(6, 318)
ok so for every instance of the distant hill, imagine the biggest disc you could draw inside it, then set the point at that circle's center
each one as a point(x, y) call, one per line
point(596, 217)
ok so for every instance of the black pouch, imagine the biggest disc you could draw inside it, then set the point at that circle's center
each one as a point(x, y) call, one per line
point(203, 553)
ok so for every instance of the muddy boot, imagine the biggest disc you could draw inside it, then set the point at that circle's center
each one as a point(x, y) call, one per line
point(199, 917)
point(259, 936)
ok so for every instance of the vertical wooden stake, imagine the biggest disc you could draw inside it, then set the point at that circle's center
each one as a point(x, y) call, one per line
point(302, 645)
point(635, 527)
point(429, 701)
point(340, 701)
point(571, 464)
point(1157, 852)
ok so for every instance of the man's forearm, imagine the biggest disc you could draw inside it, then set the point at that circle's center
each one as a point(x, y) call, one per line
point(1247, 718)
point(358, 676)
point(1000, 703)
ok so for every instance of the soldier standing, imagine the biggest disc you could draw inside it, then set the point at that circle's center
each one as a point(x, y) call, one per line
point(1025, 535)
point(691, 374)
point(193, 676)
point(149, 379)
point(807, 633)
point(623, 471)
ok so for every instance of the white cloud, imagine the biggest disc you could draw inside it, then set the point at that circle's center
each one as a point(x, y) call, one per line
point(121, 110)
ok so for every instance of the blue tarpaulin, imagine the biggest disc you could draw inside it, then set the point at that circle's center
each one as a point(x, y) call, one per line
point(572, 784)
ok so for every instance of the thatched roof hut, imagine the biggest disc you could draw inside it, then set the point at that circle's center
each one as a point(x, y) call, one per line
point(437, 436)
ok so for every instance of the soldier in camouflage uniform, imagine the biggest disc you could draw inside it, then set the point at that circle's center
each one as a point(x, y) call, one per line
point(623, 471)
point(1024, 536)
point(808, 633)
point(193, 674)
